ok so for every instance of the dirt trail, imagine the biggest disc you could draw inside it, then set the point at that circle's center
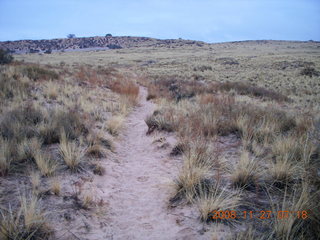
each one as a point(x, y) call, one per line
point(138, 184)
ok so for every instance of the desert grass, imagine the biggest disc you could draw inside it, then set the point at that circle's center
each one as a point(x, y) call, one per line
point(99, 169)
point(55, 186)
point(99, 138)
point(299, 220)
point(276, 146)
point(87, 200)
point(244, 174)
point(262, 92)
point(195, 172)
point(35, 180)
point(96, 150)
point(27, 223)
point(5, 159)
point(217, 199)
point(126, 88)
point(45, 164)
point(284, 172)
point(250, 234)
point(29, 147)
point(37, 73)
point(51, 90)
point(46, 128)
point(115, 124)
point(11, 88)
point(70, 152)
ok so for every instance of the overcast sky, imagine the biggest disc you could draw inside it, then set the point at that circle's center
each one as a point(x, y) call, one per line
point(206, 20)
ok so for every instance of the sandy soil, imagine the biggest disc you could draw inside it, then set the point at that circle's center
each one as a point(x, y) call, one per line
point(138, 184)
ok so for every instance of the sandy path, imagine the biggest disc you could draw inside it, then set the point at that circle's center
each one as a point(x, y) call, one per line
point(137, 187)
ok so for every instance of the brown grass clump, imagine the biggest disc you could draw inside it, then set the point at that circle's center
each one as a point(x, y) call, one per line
point(55, 186)
point(51, 90)
point(157, 121)
point(35, 180)
point(5, 158)
point(71, 121)
point(126, 88)
point(24, 130)
point(301, 220)
point(70, 152)
point(13, 87)
point(20, 123)
point(88, 75)
point(99, 169)
point(179, 89)
point(45, 125)
point(45, 164)
point(217, 199)
point(87, 200)
point(178, 149)
point(27, 223)
point(283, 172)
point(277, 143)
point(195, 172)
point(114, 125)
point(100, 140)
point(96, 151)
point(36, 73)
point(244, 173)
point(250, 234)
point(247, 89)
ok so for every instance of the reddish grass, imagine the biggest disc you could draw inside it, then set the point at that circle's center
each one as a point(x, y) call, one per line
point(125, 87)
point(88, 75)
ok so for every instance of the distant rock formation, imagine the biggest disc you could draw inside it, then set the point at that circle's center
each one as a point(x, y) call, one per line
point(87, 43)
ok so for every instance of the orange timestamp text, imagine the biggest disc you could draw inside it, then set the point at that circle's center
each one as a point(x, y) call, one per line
point(263, 214)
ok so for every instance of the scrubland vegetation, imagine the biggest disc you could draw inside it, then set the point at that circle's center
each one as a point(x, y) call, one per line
point(51, 126)
point(242, 156)
point(246, 116)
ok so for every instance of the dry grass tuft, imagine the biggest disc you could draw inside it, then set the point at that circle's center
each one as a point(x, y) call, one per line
point(27, 223)
point(5, 158)
point(51, 90)
point(36, 73)
point(70, 152)
point(127, 88)
point(88, 75)
point(99, 169)
point(55, 186)
point(96, 151)
point(283, 172)
point(244, 173)
point(157, 121)
point(99, 139)
point(13, 87)
point(45, 164)
point(217, 200)
point(35, 180)
point(243, 88)
point(302, 220)
point(114, 125)
point(195, 172)
point(71, 121)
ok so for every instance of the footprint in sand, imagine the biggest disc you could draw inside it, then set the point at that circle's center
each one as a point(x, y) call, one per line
point(147, 226)
point(143, 179)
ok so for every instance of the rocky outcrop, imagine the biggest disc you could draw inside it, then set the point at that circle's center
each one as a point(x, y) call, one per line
point(74, 44)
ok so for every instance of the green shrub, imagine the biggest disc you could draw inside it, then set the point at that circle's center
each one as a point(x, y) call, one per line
point(5, 57)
